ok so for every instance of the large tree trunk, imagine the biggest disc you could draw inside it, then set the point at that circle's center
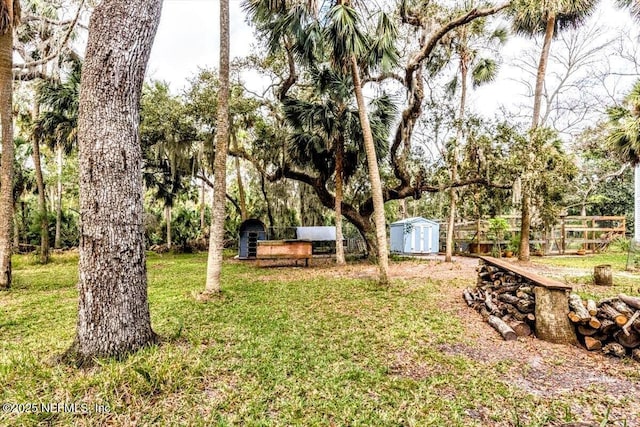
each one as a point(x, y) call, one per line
point(374, 176)
point(6, 169)
point(56, 242)
point(113, 312)
point(42, 197)
point(216, 241)
point(340, 260)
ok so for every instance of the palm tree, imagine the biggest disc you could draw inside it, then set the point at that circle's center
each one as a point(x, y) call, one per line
point(9, 18)
point(216, 238)
point(350, 48)
point(624, 138)
point(483, 70)
point(532, 18)
point(57, 123)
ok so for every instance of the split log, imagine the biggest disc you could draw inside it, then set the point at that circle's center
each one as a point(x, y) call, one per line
point(575, 302)
point(490, 305)
point(468, 297)
point(586, 330)
point(614, 349)
point(518, 315)
point(629, 341)
point(505, 330)
point(622, 308)
point(631, 321)
point(526, 290)
point(594, 322)
point(507, 289)
point(635, 354)
point(592, 343)
point(607, 326)
point(509, 299)
point(609, 312)
point(573, 317)
point(630, 301)
point(526, 306)
point(520, 328)
point(592, 308)
point(602, 275)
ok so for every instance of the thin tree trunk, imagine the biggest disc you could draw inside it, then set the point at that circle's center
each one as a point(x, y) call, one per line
point(542, 70)
point(203, 202)
point(263, 189)
point(113, 311)
point(453, 195)
point(537, 102)
point(523, 254)
point(340, 260)
point(374, 176)
point(56, 243)
point(167, 218)
point(403, 208)
point(16, 230)
point(242, 197)
point(6, 169)
point(216, 241)
point(42, 196)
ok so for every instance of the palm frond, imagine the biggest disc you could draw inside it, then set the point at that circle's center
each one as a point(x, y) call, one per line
point(485, 71)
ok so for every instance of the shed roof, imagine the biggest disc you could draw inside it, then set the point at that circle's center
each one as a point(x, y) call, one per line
point(323, 233)
point(413, 220)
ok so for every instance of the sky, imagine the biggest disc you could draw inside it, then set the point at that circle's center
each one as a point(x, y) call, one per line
point(188, 39)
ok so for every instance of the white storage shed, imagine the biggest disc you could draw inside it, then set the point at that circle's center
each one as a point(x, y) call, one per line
point(415, 236)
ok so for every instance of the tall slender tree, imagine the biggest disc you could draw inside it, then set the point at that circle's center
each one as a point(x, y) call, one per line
point(532, 18)
point(483, 70)
point(216, 238)
point(113, 311)
point(348, 45)
point(624, 137)
point(9, 18)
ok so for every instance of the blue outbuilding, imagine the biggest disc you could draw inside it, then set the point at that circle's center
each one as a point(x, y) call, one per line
point(251, 231)
point(415, 236)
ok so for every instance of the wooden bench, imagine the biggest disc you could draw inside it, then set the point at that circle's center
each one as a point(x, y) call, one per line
point(552, 306)
point(284, 249)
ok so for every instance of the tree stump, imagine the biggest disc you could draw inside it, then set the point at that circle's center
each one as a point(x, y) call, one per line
point(552, 322)
point(602, 275)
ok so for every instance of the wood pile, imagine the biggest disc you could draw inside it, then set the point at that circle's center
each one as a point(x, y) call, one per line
point(505, 300)
point(611, 325)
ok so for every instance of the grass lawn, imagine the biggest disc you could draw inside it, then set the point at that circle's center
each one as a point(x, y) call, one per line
point(303, 348)
point(580, 273)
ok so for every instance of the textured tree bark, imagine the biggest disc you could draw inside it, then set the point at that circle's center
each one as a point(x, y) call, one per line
point(552, 323)
point(523, 254)
point(374, 176)
point(338, 209)
point(6, 169)
point(216, 240)
point(42, 197)
point(113, 312)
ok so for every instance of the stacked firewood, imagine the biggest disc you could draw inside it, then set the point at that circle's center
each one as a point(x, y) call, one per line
point(611, 325)
point(505, 300)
